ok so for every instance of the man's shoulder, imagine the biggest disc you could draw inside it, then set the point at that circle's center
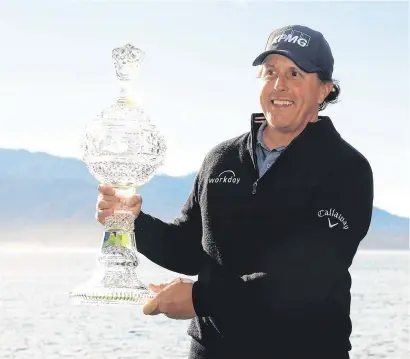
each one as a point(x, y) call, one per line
point(226, 151)
point(350, 156)
point(229, 146)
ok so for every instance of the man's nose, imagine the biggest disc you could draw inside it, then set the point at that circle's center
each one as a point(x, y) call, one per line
point(280, 84)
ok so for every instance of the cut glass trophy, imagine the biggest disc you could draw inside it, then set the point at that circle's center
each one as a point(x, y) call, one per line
point(122, 148)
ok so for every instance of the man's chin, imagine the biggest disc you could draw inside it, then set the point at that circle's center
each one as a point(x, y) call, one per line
point(281, 124)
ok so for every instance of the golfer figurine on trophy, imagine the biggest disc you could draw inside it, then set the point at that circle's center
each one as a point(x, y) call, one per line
point(121, 148)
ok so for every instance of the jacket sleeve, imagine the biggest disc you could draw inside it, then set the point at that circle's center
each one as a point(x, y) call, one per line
point(174, 245)
point(314, 260)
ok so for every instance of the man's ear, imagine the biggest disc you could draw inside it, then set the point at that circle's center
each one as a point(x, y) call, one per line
point(325, 89)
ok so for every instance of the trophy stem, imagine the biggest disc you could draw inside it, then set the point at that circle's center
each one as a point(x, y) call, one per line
point(122, 221)
point(122, 242)
point(128, 93)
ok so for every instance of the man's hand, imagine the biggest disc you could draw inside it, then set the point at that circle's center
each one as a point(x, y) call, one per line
point(108, 201)
point(173, 300)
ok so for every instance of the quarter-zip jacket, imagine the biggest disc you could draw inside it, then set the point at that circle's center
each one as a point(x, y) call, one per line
point(272, 254)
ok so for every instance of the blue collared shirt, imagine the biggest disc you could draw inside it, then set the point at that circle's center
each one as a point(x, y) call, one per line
point(264, 156)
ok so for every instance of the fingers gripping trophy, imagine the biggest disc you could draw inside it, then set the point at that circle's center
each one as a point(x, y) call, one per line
point(121, 148)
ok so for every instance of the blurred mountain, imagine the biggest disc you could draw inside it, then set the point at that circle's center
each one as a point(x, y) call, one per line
point(38, 189)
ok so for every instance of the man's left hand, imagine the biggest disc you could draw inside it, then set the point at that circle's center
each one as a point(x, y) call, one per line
point(173, 300)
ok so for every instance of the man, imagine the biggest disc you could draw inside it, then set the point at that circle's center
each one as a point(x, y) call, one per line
point(272, 224)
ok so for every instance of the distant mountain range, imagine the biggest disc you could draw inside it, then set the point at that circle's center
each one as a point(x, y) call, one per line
point(38, 189)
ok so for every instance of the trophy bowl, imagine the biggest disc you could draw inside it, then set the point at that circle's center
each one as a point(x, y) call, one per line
point(122, 148)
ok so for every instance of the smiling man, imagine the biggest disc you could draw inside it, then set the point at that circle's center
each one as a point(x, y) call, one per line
point(272, 242)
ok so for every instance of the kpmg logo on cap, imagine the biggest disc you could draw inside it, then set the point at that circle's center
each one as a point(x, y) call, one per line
point(294, 36)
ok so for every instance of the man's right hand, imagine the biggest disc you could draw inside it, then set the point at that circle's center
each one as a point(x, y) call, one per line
point(108, 201)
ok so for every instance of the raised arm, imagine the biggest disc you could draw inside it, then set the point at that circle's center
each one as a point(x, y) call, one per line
point(175, 245)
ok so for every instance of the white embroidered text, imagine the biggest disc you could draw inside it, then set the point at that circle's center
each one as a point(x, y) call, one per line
point(333, 218)
point(227, 176)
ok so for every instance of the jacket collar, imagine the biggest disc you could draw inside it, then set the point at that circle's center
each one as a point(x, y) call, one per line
point(315, 136)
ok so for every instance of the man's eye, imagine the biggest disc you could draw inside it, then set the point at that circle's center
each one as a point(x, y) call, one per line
point(269, 73)
point(295, 73)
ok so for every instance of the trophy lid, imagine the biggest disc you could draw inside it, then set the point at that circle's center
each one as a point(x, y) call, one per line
point(127, 59)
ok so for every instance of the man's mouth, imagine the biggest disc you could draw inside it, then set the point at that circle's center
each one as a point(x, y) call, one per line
point(281, 103)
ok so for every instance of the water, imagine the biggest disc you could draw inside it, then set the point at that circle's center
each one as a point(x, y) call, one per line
point(37, 321)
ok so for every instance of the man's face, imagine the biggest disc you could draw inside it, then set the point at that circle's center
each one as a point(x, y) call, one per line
point(290, 97)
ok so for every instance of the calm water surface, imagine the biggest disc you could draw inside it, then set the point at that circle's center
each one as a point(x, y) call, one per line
point(37, 320)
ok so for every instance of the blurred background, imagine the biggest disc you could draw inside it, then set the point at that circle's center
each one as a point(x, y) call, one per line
point(199, 87)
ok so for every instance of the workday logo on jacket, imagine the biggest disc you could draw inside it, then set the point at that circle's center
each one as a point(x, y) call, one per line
point(227, 176)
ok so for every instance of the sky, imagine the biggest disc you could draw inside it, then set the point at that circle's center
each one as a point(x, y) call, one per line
point(197, 82)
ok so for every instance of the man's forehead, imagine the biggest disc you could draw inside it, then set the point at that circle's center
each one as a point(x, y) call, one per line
point(277, 59)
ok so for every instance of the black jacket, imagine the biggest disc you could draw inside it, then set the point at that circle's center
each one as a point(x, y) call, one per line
point(272, 254)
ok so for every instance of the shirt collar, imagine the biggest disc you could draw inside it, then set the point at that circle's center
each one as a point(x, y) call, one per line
point(259, 140)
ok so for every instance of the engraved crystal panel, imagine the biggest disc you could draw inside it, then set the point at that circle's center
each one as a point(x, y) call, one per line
point(121, 147)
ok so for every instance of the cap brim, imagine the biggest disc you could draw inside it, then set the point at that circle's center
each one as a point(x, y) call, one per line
point(306, 67)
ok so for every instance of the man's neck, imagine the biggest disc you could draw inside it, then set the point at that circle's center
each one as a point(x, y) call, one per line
point(274, 137)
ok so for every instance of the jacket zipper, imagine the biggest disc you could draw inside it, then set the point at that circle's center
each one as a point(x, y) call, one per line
point(255, 184)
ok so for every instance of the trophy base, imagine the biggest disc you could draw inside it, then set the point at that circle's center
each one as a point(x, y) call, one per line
point(105, 296)
point(115, 280)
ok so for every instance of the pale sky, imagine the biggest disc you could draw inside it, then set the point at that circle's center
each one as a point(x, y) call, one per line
point(197, 81)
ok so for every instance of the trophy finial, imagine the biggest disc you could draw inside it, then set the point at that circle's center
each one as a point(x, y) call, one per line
point(126, 60)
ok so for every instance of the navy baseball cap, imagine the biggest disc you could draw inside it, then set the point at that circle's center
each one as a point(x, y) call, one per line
point(307, 48)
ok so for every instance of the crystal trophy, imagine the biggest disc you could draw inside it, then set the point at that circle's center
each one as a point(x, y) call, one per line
point(122, 148)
